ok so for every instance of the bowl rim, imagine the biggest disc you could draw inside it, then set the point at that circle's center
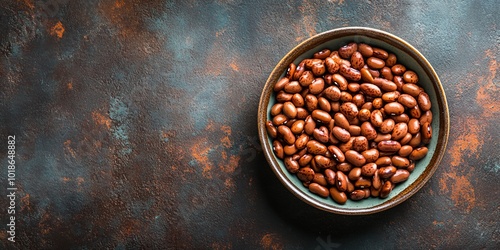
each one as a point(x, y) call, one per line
point(385, 37)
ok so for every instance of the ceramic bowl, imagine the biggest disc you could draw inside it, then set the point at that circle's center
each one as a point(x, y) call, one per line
point(428, 79)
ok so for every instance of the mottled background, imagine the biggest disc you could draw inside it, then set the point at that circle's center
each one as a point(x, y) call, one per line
point(136, 125)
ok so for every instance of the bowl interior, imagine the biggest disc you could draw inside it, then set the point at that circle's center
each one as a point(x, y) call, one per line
point(408, 56)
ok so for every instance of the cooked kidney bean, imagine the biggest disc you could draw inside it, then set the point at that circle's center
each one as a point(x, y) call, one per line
point(350, 122)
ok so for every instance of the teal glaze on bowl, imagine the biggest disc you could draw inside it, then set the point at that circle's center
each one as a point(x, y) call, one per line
point(428, 79)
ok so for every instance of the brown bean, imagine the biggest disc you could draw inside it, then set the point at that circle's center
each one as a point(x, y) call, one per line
point(276, 109)
point(353, 87)
point(324, 104)
point(292, 87)
point(290, 71)
point(398, 69)
point(345, 96)
point(368, 131)
point(330, 176)
point(316, 147)
point(332, 93)
point(289, 110)
point(394, 108)
point(375, 63)
point(305, 159)
point(355, 158)
point(357, 60)
point(362, 182)
point(318, 69)
point(376, 118)
point(371, 155)
point(347, 50)
point(411, 89)
point(301, 141)
point(344, 167)
point(401, 175)
point(309, 125)
point(365, 49)
point(298, 100)
point(400, 130)
point(389, 146)
point(391, 96)
point(382, 137)
point(291, 165)
point(386, 189)
point(271, 130)
point(376, 182)
point(415, 112)
point(278, 149)
point(413, 126)
point(287, 134)
point(387, 126)
point(410, 77)
point(317, 86)
point(424, 101)
point(349, 109)
point(282, 96)
point(383, 161)
point(322, 161)
point(354, 130)
point(366, 76)
point(357, 195)
point(299, 70)
point(306, 78)
point(290, 149)
point(385, 84)
point(323, 54)
point(426, 117)
point(364, 114)
point(416, 140)
point(360, 144)
point(418, 153)
point(386, 172)
point(338, 196)
point(321, 116)
point(375, 73)
point(305, 174)
point(280, 119)
point(341, 182)
point(405, 150)
point(350, 73)
point(400, 162)
point(331, 66)
point(378, 103)
point(386, 73)
point(407, 100)
point(311, 102)
point(358, 99)
point(371, 90)
point(280, 84)
point(354, 174)
point(426, 132)
point(401, 118)
point(406, 139)
point(337, 154)
point(340, 81)
point(369, 169)
point(391, 60)
point(380, 53)
point(341, 120)
point(319, 190)
point(321, 134)
point(341, 134)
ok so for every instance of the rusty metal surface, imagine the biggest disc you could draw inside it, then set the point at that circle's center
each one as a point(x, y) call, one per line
point(135, 124)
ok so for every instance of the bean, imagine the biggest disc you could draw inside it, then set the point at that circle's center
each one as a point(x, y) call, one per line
point(306, 78)
point(354, 174)
point(376, 118)
point(301, 141)
point(316, 147)
point(338, 196)
point(410, 77)
point(362, 182)
point(341, 182)
point(380, 53)
point(309, 125)
point(305, 174)
point(291, 165)
point(371, 90)
point(332, 93)
point(360, 144)
point(418, 153)
point(371, 155)
point(387, 126)
point(321, 134)
point(400, 130)
point(355, 158)
point(290, 149)
point(318, 68)
point(386, 73)
point(354, 130)
point(375, 63)
point(400, 162)
point(401, 175)
point(376, 182)
point(386, 189)
point(386, 172)
point(385, 84)
point(323, 54)
point(405, 150)
point(366, 76)
point(347, 50)
point(390, 96)
point(280, 84)
point(389, 146)
point(337, 154)
point(305, 159)
point(411, 89)
point(349, 109)
point(292, 87)
point(357, 60)
point(282, 96)
point(278, 149)
point(319, 190)
point(289, 110)
point(424, 101)
point(365, 49)
point(298, 100)
point(391, 60)
point(322, 161)
point(350, 73)
point(368, 131)
point(426, 131)
point(369, 169)
point(357, 195)
point(398, 69)
point(341, 134)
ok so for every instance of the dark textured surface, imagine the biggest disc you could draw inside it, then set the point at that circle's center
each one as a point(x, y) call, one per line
point(135, 124)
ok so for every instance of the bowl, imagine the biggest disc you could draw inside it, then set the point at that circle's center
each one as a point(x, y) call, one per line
point(428, 80)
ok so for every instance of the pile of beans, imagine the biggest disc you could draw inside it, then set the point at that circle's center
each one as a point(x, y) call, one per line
point(350, 123)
